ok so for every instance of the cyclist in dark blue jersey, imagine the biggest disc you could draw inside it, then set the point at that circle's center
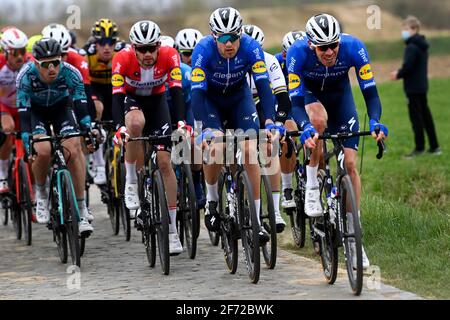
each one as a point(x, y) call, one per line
point(221, 97)
point(288, 39)
point(45, 89)
point(321, 96)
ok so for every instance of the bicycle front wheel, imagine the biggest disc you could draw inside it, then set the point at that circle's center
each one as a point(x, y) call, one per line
point(267, 213)
point(124, 212)
point(351, 234)
point(249, 227)
point(188, 206)
point(25, 201)
point(71, 217)
point(160, 218)
point(297, 215)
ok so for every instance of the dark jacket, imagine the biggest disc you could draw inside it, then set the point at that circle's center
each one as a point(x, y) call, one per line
point(415, 65)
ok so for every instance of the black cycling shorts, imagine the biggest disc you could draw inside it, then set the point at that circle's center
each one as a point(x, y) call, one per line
point(61, 116)
point(103, 93)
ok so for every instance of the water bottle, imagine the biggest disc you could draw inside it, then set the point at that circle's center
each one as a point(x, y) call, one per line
point(332, 205)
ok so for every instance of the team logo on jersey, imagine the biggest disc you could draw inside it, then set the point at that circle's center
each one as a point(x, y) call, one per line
point(365, 72)
point(117, 80)
point(259, 67)
point(294, 81)
point(198, 75)
point(175, 74)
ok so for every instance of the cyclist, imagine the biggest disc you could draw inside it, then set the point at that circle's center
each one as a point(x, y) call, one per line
point(288, 39)
point(279, 89)
point(43, 90)
point(140, 106)
point(185, 42)
point(100, 50)
point(13, 42)
point(321, 98)
point(31, 41)
point(220, 94)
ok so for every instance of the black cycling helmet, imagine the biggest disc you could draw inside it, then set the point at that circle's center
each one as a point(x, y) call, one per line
point(46, 48)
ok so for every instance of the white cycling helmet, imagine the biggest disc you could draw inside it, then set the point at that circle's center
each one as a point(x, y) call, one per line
point(13, 38)
point(290, 37)
point(225, 20)
point(145, 32)
point(167, 41)
point(323, 29)
point(59, 33)
point(255, 32)
point(187, 39)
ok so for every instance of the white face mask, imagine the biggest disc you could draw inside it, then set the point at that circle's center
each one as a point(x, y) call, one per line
point(406, 35)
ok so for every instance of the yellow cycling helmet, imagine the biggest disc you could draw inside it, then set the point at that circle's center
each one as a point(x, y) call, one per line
point(32, 40)
point(105, 28)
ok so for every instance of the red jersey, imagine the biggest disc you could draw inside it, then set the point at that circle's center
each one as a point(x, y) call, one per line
point(78, 61)
point(129, 77)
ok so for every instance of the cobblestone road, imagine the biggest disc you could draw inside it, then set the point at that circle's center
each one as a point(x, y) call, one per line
point(115, 269)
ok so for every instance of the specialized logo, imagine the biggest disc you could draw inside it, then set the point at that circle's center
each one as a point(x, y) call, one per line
point(259, 67)
point(117, 80)
point(365, 72)
point(175, 74)
point(294, 81)
point(198, 75)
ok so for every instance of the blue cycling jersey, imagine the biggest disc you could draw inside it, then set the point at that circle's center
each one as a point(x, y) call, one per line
point(32, 90)
point(185, 82)
point(282, 62)
point(307, 75)
point(223, 77)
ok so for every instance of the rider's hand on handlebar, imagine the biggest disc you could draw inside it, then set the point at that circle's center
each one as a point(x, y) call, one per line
point(118, 136)
point(309, 136)
point(381, 128)
point(275, 131)
point(185, 129)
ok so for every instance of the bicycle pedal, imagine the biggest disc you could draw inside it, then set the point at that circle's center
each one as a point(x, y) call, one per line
point(174, 254)
point(85, 234)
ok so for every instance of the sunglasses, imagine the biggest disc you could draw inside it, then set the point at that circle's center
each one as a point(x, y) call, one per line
point(224, 38)
point(145, 49)
point(331, 46)
point(46, 64)
point(186, 53)
point(106, 41)
point(18, 52)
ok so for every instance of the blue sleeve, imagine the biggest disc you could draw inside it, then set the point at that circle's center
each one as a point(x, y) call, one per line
point(198, 98)
point(366, 80)
point(261, 78)
point(198, 74)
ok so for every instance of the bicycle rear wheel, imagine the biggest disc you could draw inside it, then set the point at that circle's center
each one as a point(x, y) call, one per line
point(71, 217)
point(227, 231)
point(326, 238)
point(188, 206)
point(267, 216)
point(160, 218)
point(348, 213)
point(249, 227)
point(25, 201)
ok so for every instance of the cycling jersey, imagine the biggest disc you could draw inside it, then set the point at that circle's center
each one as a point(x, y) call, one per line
point(276, 77)
point(129, 76)
point(217, 81)
point(282, 62)
point(310, 81)
point(186, 84)
point(79, 62)
point(8, 82)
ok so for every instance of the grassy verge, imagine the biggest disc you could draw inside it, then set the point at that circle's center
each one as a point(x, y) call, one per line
point(405, 203)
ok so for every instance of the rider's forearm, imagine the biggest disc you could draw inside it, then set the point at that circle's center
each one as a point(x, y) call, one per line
point(373, 103)
point(118, 109)
point(284, 106)
point(266, 98)
point(25, 119)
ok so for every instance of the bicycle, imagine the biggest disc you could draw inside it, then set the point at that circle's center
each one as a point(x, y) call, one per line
point(237, 212)
point(153, 220)
point(18, 201)
point(64, 213)
point(331, 231)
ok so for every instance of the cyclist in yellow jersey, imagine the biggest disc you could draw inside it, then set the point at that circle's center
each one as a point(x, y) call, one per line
point(100, 50)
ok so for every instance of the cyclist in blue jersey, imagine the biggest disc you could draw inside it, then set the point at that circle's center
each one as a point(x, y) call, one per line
point(44, 90)
point(322, 99)
point(288, 39)
point(221, 98)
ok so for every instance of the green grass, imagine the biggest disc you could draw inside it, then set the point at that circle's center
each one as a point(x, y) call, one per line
point(406, 203)
point(390, 50)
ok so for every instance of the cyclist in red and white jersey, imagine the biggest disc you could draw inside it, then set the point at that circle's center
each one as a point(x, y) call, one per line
point(139, 74)
point(13, 42)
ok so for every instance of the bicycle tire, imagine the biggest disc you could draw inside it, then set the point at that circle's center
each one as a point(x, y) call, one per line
point(298, 215)
point(148, 230)
point(249, 227)
point(327, 249)
point(188, 206)
point(111, 201)
point(71, 217)
point(160, 218)
point(124, 211)
point(267, 218)
point(347, 197)
point(25, 201)
point(227, 229)
point(17, 219)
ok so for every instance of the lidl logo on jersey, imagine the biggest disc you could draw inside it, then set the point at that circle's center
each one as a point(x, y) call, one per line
point(198, 75)
point(176, 74)
point(365, 72)
point(294, 81)
point(117, 80)
point(259, 67)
